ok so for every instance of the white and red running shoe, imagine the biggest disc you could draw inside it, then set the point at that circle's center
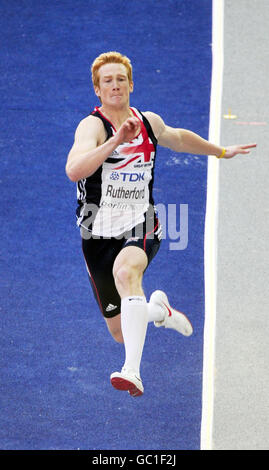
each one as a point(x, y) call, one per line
point(173, 318)
point(128, 381)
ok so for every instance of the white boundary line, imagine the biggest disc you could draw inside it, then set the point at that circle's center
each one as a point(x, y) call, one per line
point(210, 244)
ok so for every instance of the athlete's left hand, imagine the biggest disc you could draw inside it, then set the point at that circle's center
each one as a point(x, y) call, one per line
point(234, 150)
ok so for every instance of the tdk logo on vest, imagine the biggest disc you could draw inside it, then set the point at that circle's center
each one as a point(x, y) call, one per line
point(133, 177)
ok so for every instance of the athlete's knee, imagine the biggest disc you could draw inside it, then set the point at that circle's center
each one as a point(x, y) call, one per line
point(124, 273)
point(127, 275)
point(128, 270)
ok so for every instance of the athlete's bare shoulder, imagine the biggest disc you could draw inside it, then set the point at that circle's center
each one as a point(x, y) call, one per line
point(91, 127)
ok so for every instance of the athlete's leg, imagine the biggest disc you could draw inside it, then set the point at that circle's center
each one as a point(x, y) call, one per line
point(128, 270)
point(99, 257)
point(129, 280)
point(114, 328)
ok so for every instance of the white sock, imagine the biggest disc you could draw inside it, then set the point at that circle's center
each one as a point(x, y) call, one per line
point(155, 312)
point(134, 322)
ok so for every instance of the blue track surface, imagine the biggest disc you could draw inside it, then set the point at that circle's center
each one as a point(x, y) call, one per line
point(56, 354)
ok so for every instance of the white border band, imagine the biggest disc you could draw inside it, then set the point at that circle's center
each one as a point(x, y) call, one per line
point(210, 245)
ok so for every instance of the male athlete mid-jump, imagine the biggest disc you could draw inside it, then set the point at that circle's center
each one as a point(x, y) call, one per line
point(112, 161)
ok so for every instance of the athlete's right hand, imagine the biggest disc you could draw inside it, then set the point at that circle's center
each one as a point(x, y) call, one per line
point(129, 130)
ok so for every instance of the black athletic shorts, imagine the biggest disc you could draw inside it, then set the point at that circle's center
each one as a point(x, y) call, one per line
point(100, 254)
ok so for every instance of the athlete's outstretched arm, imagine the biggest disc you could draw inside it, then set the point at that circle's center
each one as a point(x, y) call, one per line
point(183, 140)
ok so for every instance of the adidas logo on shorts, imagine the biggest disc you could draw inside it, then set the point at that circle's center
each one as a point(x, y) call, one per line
point(110, 307)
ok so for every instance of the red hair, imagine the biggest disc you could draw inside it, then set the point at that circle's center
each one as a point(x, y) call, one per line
point(108, 58)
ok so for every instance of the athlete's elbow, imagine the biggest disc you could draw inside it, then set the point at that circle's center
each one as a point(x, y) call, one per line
point(72, 173)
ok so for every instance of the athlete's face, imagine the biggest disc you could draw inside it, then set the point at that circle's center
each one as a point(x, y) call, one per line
point(114, 86)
